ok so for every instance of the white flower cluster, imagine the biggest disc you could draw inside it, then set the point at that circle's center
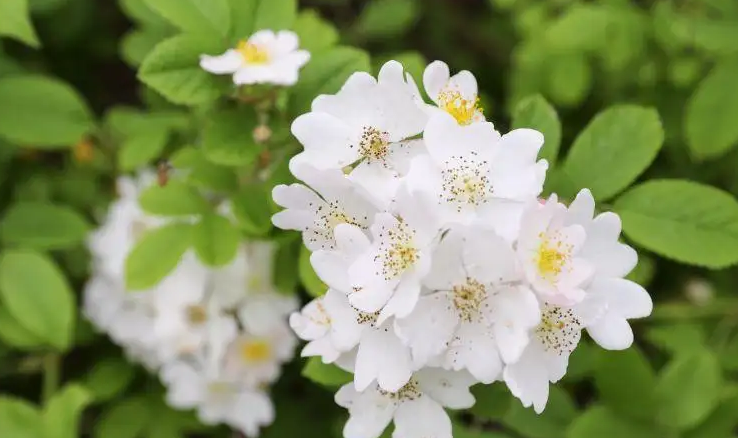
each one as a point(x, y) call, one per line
point(217, 337)
point(444, 267)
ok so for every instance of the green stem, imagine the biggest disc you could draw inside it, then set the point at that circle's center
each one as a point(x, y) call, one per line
point(52, 365)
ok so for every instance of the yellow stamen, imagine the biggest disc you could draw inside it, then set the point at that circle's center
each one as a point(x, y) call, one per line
point(463, 110)
point(551, 257)
point(256, 350)
point(252, 53)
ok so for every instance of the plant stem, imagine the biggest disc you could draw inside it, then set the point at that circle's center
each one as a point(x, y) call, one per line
point(52, 365)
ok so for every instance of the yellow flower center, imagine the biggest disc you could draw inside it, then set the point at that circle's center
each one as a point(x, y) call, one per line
point(252, 53)
point(374, 144)
point(551, 257)
point(257, 350)
point(468, 298)
point(196, 314)
point(461, 109)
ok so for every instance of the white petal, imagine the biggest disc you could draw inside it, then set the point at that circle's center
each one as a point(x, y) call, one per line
point(527, 379)
point(377, 181)
point(326, 139)
point(251, 411)
point(445, 138)
point(421, 418)
point(312, 322)
point(404, 298)
point(581, 209)
point(611, 332)
point(331, 267)
point(465, 82)
point(475, 349)
point(447, 269)
point(286, 41)
point(323, 348)
point(383, 357)
point(370, 412)
point(429, 328)
point(624, 298)
point(488, 257)
point(227, 63)
point(435, 78)
point(449, 388)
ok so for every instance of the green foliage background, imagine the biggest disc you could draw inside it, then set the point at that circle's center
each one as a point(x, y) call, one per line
point(638, 100)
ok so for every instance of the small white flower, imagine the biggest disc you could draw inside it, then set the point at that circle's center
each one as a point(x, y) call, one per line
point(455, 95)
point(265, 57)
point(549, 250)
point(330, 200)
point(416, 408)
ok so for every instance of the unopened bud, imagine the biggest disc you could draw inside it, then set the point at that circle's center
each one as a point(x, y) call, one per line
point(262, 134)
point(699, 291)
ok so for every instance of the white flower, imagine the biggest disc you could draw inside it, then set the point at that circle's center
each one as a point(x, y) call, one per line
point(334, 328)
point(610, 299)
point(479, 314)
point(265, 58)
point(546, 357)
point(549, 249)
point(416, 408)
point(387, 276)
point(330, 200)
point(365, 121)
point(473, 173)
point(217, 399)
point(455, 95)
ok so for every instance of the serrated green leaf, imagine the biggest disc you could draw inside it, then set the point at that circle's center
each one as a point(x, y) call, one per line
point(387, 18)
point(216, 240)
point(156, 254)
point(314, 32)
point(326, 374)
point(19, 418)
point(682, 220)
point(108, 378)
point(173, 69)
point(42, 112)
point(710, 115)
point(688, 389)
point(38, 296)
point(308, 277)
point(634, 400)
point(173, 199)
point(15, 22)
point(325, 74)
point(14, 334)
point(614, 149)
point(228, 138)
point(62, 413)
point(600, 422)
point(536, 113)
point(680, 338)
point(142, 149)
point(43, 226)
point(209, 18)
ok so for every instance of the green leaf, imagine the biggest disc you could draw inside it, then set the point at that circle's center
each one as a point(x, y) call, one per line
point(308, 277)
point(127, 419)
point(109, 378)
point(138, 43)
point(463, 431)
point(141, 13)
point(250, 16)
point(679, 338)
point(173, 69)
point(142, 149)
point(42, 112)
point(38, 296)
point(536, 113)
point(682, 220)
point(580, 28)
point(19, 418)
point(14, 334)
point(644, 270)
point(325, 74)
point(582, 361)
point(216, 240)
point(202, 173)
point(560, 411)
point(688, 389)
point(600, 422)
point(569, 79)
point(173, 199)
point(314, 32)
point(251, 208)
point(228, 137)
point(43, 226)
point(634, 400)
point(493, 401)
point(387, 18)
point(614, 149)
point(156, 254)
point(286, 265)
point(62, 413)
point(721, 422)
point(125, 122)
point(15, 22)
point(711, 112)
point(326, 374)
point(207, 18)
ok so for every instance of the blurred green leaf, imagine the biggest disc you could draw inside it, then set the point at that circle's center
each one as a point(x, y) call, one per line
point(108, 378)
point(536, 113)
point(19, 418)
point(308, 277)
point(552, 423)
point(722, 422)
point(140, 12)
point(679, 338)
point(38, 296)
point(581, 27)
point(326, 374)
point(682, 220)
point(62, 413)
point(569, 79)
point(15, 22)
point(600, 422)
point(314, 32)
point(173, 69)
point(209, 18)
point(173, 199)
point(711, 112)
point(42, 112)
point(688, 389)
point(493, 401)
point(251, 208)
point(614, 149)
point(460, 431)
point(142, 149)
point(644, 270)
point(250, 16)
point(138, 43)
point(202, 173)
point(14, 334)
point(216, 240)
point(156, 254)
point(387, 18)
point(582, 361)
point(634, 400)
point(126, 419)
point(228, 137)
point(42, 226)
